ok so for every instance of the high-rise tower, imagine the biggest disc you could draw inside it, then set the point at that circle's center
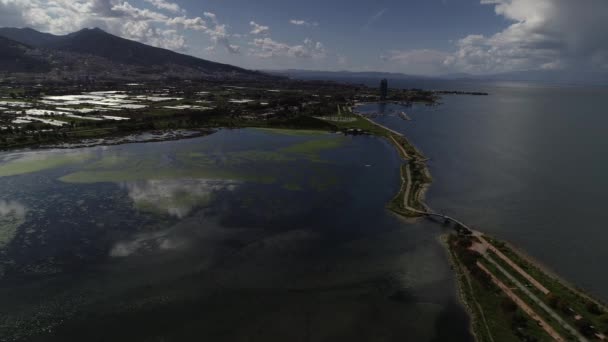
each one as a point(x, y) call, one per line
point(383, 89)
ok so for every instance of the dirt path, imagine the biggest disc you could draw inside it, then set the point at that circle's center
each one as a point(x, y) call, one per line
point(522, 305)
point(404, 153)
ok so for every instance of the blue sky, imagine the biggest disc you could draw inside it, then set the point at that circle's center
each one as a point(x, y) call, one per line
point(429, 37)
point(355, 34)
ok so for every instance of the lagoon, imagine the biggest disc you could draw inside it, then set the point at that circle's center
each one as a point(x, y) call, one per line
point(264, 235)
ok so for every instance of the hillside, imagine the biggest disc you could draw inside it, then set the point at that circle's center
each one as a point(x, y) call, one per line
point(114, 54)
point(18, 57)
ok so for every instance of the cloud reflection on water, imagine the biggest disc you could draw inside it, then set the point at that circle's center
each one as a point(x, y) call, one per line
point(176, 197)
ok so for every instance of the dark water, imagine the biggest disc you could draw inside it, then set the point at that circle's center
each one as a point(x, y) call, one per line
point(243, 235)
point(526, 164)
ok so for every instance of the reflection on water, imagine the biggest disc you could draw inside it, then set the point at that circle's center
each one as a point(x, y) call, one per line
point(12, 215)
point(175, 197)
point(241, 235)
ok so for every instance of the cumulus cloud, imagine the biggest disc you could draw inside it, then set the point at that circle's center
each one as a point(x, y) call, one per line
point(259, 29)
point(165, 5)
point(220, 36)
point(543, 34)
point(143, 32)
point(267, 48)
point(117, 17)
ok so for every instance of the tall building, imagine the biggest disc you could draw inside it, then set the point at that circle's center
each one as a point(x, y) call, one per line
point(383, 89)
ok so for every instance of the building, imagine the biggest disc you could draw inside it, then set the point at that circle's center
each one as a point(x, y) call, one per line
point(383, 89)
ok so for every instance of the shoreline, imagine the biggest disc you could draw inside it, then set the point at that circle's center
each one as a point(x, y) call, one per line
point(408, 203)
point(411, 195)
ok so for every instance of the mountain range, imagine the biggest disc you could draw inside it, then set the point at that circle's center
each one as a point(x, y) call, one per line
point(556, 77)
point(94, 52)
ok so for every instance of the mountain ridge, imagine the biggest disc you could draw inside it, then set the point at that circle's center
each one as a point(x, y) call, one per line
point(120, 55)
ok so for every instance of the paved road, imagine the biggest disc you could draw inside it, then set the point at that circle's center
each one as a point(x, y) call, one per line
point(379, 125)
point(536, 300)
point(514, 266)
point(522, 304)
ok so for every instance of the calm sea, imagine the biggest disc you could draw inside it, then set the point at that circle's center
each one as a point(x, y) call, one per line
point(526, 164)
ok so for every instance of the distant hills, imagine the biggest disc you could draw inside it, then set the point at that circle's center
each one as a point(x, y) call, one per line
point(27, 50)
point(342, 75)
point(18, 57)
point(557, 77)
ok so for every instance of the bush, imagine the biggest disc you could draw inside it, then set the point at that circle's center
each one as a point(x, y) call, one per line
point(594, 309)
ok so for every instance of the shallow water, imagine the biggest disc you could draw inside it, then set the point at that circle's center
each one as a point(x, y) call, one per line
point(525, 164)
point(240, 235)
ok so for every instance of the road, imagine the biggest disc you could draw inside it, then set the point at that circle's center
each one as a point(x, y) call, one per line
point(379, 125)
point(522, 304)
point(536, 300)
point(514, 266)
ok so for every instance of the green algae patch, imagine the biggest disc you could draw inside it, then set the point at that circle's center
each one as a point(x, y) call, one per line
point(107, 162)
point(311, 149)
point(130, 175)
point(39, 162)
point(292, 132)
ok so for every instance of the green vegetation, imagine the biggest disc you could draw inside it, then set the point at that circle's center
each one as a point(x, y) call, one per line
point(537, 308)
point(136, 174)
point(312, 148)
point(291, 132)
point(38, 162)
point(494, 316)
point(563, 299)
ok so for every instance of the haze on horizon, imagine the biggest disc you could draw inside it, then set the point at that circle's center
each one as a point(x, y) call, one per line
point(421, 37)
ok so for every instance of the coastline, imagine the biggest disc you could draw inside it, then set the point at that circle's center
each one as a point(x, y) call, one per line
point(574, 305)
point(461, 289)
point(409, 204)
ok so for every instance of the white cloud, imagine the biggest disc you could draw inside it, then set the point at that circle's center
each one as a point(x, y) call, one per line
point(117, 17)
point(267, 48)
point(374, 17)
point(143, 32)
point(197, 24)
point(258, 29)
point(220, 36)
point(417, 61)
point(165, 5)
point(544, 34)
point(300, 22)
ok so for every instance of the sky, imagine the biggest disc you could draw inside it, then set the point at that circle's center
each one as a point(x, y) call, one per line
point(421, 37)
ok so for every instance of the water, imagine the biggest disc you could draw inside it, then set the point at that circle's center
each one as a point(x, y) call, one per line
point(525, 164)
point(240, 235)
